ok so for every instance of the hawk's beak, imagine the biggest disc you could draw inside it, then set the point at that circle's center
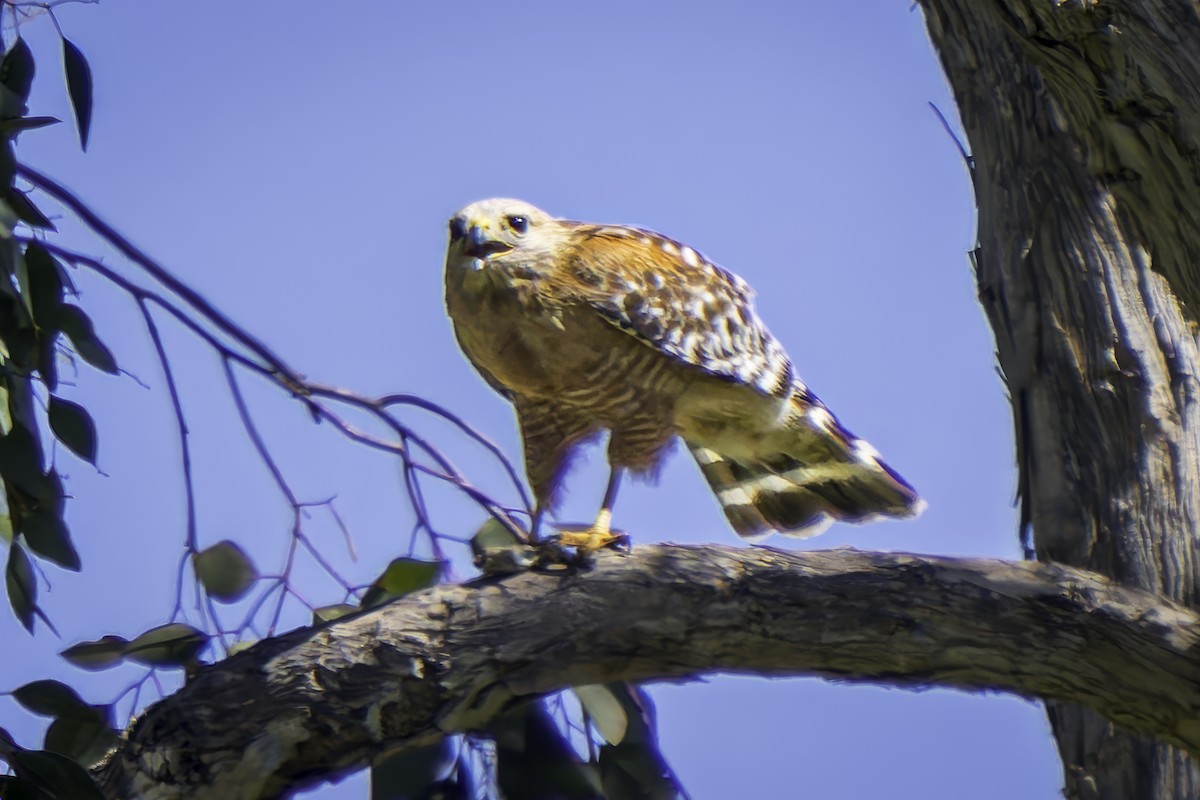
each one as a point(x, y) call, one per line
point(480, 244)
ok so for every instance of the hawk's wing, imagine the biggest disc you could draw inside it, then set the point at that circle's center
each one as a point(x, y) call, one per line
point(679, 302)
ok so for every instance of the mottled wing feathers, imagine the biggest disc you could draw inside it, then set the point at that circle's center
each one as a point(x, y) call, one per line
point(677, 301)
point(815, 472)
point(531, 297)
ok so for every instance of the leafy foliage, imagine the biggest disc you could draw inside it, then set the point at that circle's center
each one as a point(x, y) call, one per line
point(402, 576)
point(529, 752)
point(34, 316)
point(225, 571)
point(79, 86)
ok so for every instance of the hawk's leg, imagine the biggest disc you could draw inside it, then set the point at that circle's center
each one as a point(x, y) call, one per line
point(535, 523)
point(550, 434)
point(600, 533)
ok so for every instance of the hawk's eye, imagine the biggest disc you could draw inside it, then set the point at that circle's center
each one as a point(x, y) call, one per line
point(518, 223)
point(458, 229)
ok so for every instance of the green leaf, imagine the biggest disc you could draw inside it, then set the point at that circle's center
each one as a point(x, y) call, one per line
point(96, 655)
point(51, 698)
point(45, 284)
point(79, 87)
point(328, 613)
point(73, 426)
point(492, 533)
point(6, 520)
point(84, 741)
point(172, 645)
point(18, 339)
point(16, 71)
point(239, 646)
point(55, 774)
point(604, 710)
point(402, 576)
point(21, 463)
point(47, 280)
point(225, 571)
point(78, 327)
point(411, 772)
point(20, 269)
point(8, 160)
point(26, 211)
point(22, 587)
point(12, 787)
point(47, 535)
point(11, 127)
point(635, 768)
point(498, 551)
point(534, 759)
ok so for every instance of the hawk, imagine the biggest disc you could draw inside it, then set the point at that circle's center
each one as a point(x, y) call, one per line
point(587, 328)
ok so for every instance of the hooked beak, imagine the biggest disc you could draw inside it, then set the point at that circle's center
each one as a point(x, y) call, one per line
point(477, 241)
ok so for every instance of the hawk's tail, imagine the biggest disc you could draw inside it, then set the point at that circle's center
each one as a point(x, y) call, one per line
point(818, 472)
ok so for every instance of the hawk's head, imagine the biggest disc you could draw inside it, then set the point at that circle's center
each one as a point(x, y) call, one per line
point(504, 233)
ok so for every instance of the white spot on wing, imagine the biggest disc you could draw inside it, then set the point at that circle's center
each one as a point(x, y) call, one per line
point(863, 451)
point(689, 256)
point(820, 418)
point(734, 496)
point(767, 483)
point(669, 248)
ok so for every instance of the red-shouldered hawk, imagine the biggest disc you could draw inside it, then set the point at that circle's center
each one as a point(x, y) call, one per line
point(590, 327)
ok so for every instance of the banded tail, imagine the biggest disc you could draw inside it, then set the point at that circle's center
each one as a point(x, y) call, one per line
point(812, 472)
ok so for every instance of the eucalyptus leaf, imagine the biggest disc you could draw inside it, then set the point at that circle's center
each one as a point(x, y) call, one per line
point(604, 710)
point(46, 534)
point(55, 774)
point(78, 327)
point(411, 772)
point(26, 211)
point(402, 576)
point(328, 613)
point(51, 698)
point(225, 571)
point(11, 127)
point(84, 741)
point(73, 426)
point(172, 645)
point(96, 655)
point(16, 73)
point(21, 462)
point(22, 586)
point(535, 760)
point(79, 87)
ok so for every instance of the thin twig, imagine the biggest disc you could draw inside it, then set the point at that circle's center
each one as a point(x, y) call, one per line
point(158, 273)
point(413, 400)
point(185, 451)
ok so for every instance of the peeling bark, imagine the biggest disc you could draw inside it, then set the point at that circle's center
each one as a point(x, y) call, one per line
point(1084, 124)
point(316, 703)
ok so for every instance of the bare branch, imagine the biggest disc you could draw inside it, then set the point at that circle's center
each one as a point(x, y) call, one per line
point(319, 702)
point(265, 363)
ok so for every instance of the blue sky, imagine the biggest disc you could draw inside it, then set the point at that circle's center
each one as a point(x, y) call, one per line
point(296, 163)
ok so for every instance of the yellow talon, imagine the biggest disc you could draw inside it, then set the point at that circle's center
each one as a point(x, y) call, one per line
point(589, 538)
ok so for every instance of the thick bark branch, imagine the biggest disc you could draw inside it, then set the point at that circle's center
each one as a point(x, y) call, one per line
point(316, 703)
point(1084, 125)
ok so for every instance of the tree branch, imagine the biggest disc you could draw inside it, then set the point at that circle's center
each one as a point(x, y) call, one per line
point(1084, 125)
point(316, 703)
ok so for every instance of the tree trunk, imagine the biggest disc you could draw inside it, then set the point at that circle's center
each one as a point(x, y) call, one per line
point(1084, 125)
point(316, 703)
